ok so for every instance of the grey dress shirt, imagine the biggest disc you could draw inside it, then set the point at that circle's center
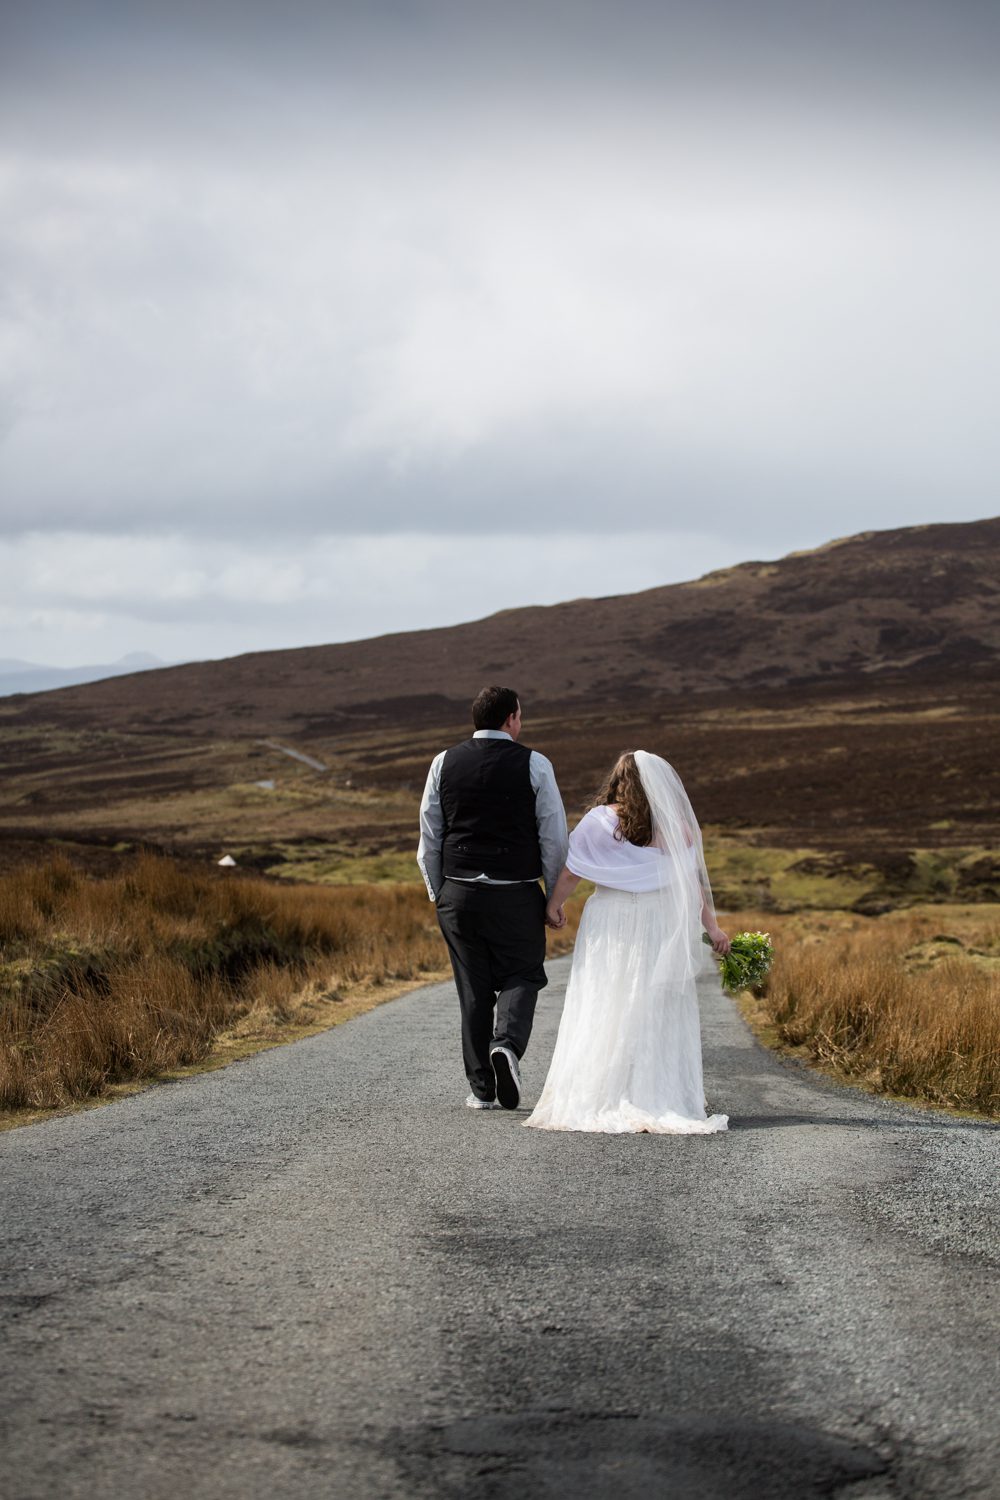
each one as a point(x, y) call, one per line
point(550, 817)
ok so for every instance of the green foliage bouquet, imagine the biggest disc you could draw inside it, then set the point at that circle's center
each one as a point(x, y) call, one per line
point(747, 962)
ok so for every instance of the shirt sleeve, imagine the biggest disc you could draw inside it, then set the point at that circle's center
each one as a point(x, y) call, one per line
point(432, 830)
point(550, 816)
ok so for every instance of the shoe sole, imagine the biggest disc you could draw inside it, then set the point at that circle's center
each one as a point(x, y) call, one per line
point(508, 1092)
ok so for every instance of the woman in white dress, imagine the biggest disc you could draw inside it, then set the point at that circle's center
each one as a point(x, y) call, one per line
point(628, 1053)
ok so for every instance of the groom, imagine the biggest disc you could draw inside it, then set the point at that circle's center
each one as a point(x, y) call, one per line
point(491, 825)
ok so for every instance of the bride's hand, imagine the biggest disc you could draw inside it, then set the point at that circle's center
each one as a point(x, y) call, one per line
point(554, 915)
point(720, 942)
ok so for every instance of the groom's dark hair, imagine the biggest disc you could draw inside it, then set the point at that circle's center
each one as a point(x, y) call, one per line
point(493, 707)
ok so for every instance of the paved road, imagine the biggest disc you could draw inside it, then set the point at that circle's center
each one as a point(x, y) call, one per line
point(315, 1274)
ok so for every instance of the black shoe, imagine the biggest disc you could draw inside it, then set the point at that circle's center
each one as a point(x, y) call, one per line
point(505, 1071)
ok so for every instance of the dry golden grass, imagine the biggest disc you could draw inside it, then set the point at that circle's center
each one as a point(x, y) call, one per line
point(908, 1003)
point(105, 980)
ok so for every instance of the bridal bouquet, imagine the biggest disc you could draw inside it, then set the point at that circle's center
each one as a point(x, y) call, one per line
point(747, 962)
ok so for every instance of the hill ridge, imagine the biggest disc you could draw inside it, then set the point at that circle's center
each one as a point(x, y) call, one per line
point(901, 602)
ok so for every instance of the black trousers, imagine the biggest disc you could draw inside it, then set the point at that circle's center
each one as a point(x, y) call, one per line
point(496, 938)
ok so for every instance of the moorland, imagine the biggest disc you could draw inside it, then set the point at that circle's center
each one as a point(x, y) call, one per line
point(833, 715)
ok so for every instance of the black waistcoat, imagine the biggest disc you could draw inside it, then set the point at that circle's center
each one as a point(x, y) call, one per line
point(489, 811)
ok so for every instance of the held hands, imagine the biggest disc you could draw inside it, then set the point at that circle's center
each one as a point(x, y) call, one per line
point(720, 942)
point(566, 884)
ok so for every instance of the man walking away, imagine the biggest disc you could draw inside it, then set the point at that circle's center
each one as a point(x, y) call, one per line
point(492, 825)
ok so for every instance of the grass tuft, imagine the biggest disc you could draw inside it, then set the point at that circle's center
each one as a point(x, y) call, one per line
point(908, 1003)
point(107, 980)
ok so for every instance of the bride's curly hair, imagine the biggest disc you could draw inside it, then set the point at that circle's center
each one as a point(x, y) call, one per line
point(623, 788)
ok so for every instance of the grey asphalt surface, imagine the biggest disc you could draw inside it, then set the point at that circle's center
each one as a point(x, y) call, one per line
point(315, 1273)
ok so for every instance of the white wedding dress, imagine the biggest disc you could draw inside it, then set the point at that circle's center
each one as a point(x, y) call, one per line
point(628, 1053)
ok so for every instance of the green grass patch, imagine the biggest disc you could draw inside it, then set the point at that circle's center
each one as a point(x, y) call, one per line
point(745, 874)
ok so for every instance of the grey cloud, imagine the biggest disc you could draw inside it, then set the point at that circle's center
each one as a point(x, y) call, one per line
point(460, 269)
point(232, 76)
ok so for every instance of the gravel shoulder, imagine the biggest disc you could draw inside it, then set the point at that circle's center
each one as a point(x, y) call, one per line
point(315, 1273)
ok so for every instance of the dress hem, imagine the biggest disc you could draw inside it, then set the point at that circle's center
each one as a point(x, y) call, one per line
point(650, 1126)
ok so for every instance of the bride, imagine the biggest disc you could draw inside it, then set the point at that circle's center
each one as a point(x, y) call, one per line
point(628, 1053)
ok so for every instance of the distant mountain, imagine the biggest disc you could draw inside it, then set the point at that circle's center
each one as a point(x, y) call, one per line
point(883, 606)
point(29, 677)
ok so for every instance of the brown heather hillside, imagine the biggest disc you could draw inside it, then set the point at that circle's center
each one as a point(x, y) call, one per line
point(882, 606)
point(838, 703)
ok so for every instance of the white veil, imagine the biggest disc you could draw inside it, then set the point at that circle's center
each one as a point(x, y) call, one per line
point(628, 1053)
point(684, 890)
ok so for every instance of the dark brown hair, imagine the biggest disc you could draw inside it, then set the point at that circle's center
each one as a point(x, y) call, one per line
point(493, 707)
point(623, 787)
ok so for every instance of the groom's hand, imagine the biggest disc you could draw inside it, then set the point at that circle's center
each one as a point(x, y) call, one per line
point(554, 916)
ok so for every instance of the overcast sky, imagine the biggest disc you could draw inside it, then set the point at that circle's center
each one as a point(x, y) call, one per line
point(324, 319)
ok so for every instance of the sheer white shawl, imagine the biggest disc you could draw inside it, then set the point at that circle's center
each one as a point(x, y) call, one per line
point(673, 865)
